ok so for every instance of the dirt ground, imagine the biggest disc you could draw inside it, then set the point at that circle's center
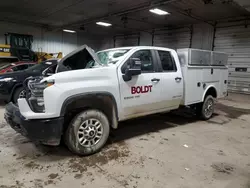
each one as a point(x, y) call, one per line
point(172, 150)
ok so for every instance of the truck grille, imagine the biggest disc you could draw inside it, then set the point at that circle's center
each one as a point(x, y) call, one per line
point(35, 87)
point(34, 93)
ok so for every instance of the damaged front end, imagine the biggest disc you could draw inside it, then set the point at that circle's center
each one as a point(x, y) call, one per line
point(46, 131)
point(82, 58)
point(29, 117)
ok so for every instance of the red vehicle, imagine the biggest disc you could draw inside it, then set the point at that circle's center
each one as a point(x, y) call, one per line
point(16, 66)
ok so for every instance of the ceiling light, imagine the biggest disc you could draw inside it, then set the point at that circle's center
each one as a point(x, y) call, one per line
point(159, 11)
point(105, 24)
point(69, 31)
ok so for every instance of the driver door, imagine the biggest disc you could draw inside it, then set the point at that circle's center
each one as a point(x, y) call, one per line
point(140, 95)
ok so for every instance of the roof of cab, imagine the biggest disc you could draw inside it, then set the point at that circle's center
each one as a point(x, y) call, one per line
point(137, 47)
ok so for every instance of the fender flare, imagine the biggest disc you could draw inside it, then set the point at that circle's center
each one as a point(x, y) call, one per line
point(87, 95)
point(205, 92)
point(13, 89)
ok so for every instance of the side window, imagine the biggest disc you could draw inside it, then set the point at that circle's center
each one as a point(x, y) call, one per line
point(15, 68)
point(146, 59)
point(20, 67)
point(167, 61)
point(30, 65)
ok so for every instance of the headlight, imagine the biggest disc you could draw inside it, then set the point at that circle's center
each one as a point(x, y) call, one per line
point(6, 79)
point(36, 99)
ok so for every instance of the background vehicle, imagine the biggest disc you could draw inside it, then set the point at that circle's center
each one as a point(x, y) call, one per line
point(11, 84)
point(92, 92)
point(7, 60)
point(17, 66)
point(20, 46)
point(43, 56)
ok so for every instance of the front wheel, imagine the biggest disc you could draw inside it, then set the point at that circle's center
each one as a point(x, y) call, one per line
point(87, 133)
point(18, 94)
point(205, 110)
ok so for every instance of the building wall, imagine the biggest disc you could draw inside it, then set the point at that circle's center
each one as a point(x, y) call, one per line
point(59, 41)
point(52, 41)
point(201, 37)
point(96, 42)
point(233, 38)
point(230, 37)
point(173, 38)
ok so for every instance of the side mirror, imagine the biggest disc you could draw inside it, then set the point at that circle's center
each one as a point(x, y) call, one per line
point(133, 68)
point(48, 74)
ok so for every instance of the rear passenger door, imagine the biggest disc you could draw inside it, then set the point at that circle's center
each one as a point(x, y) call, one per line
point(172, 80)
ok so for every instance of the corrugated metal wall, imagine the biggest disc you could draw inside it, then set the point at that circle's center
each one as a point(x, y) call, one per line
point(202, 36)
point(234, 39)
point(127, 40)
point(174, 38)
point(230, 37)
point(47, 41)
point(96, 42)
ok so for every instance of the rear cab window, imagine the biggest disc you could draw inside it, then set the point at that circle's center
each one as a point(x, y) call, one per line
point(167, 61)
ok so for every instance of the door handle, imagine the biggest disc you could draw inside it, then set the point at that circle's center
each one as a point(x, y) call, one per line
point(155, 80)
point(178, 79)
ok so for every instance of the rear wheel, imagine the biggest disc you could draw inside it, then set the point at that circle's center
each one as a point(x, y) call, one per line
point(87, 133)
point(18, 93)
point(205, 110)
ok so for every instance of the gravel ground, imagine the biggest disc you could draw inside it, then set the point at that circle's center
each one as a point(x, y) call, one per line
point(172, 150)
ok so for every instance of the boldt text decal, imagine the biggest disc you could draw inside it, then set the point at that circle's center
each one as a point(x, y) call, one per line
point(141, 89)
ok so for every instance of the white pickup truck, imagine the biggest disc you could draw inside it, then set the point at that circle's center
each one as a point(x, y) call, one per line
point(91, 92)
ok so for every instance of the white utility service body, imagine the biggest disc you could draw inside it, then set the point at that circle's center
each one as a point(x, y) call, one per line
point(202, 70)
point(125, 83)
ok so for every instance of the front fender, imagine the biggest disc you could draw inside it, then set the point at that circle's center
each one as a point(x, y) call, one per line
point(103, 101)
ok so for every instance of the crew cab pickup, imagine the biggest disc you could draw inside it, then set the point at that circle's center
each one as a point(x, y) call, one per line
point(91, 92)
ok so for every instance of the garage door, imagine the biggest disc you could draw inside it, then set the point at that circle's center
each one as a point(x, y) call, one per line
point(176, 38)
point(234, 39)
point(126, 40)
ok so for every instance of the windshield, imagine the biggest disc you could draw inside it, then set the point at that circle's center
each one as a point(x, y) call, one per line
point(111, 56)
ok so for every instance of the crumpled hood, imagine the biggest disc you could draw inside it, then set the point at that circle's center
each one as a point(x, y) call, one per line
point(78, 59)
point(74, 67)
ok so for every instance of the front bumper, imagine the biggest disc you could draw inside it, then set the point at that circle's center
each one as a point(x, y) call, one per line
point(47, 131)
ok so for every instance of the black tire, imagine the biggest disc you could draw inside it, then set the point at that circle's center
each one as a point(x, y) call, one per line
point(16, 94)
point(71, 136)
point(201, 108)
